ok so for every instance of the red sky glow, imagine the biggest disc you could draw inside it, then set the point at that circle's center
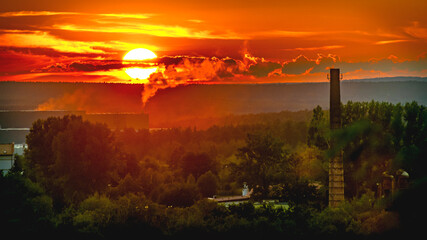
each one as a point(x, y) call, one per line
point(212, 41)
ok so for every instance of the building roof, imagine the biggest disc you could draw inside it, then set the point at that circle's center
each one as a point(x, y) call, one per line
point(231, 198)
point(6, 149)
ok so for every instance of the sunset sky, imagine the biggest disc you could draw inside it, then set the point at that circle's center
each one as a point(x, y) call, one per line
point(218, 41)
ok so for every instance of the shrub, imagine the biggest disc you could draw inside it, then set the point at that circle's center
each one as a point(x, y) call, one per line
point(179, 195)
point(207, 184)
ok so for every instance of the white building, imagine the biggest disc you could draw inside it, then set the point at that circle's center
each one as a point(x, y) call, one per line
point(7, 158)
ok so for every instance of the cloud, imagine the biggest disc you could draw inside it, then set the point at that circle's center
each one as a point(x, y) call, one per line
point(416, 31)
point(391, 41)
point(19, 61)
point(81, 66)
point(182, 70)
point(149, 24)
point(325, 62)
point(314, 48)
point(195, 20)
point(303, 65)
point(34, 13)
point(284, 33)
point(126, 15)
point(53, 13)
point(299, 65)
point(263, 69)
point(175, 70)
point(213, 68)
point(49, 52)
point(45, 40)
point(157, 30)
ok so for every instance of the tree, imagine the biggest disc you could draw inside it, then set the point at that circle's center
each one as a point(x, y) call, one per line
point(207, 184)
point(397, 127)
point(196, 164)
point(26, 209)
point(179, 194)
point(40, 154)
point(262, 162)
point(318, 129)
point(297, 192)
point(413, 154)
point(72, 158)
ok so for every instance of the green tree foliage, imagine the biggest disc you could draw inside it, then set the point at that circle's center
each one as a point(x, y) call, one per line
point(297, 192)
point(25, 208)
point(377, 137)
point(197, 164)
point(40, 155)
point(411, 207)
point(71, 158)
point(317, 131)
point(263, 161)
point(128, 184)
point(413, 153)
point(366, 153)
point(94, 213)
point(311, 164)
point(178, 194)
point(207, 184)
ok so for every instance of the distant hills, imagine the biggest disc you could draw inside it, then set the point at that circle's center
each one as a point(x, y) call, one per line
point(184, 103)
point(390, 79)
point(213, 100)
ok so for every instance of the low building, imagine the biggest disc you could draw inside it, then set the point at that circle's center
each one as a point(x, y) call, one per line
point(228, 200)
point(7, 158)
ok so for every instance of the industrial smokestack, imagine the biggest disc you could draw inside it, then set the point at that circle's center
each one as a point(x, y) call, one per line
point(335, 99)
point(336, 170)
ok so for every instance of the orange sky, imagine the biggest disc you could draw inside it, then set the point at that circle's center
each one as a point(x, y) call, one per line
point(212, 41)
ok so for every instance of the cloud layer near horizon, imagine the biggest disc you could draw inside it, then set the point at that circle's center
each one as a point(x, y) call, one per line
point(266, 43)
point(46, 64)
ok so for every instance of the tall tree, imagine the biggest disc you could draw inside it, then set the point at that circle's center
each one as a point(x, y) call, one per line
point(318, 129)
point(414, 150)
point(262, 162)
point(197, 164)
point(207, 184)
point(72, 158)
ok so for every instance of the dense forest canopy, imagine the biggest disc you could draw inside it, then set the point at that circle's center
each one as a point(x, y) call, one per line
point(89, 181)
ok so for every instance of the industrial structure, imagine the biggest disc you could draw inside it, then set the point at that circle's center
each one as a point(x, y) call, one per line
point(392, 183)
point(119, 120)
point(25, 118)
point(336, 169)
point(16, 124)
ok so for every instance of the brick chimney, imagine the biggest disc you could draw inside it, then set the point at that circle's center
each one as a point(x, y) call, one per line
point(336, 170)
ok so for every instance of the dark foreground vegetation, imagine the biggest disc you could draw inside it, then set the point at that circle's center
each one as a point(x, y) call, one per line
point(80, 180)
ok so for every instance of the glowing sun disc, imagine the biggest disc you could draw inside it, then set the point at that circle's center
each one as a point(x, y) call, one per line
point(139, 54)
point(140, 73)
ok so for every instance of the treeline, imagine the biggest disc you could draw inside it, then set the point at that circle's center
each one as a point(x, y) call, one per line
point(81, 180)
point(224, 119)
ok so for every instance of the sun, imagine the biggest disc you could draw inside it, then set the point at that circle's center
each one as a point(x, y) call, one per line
point(139, 56)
